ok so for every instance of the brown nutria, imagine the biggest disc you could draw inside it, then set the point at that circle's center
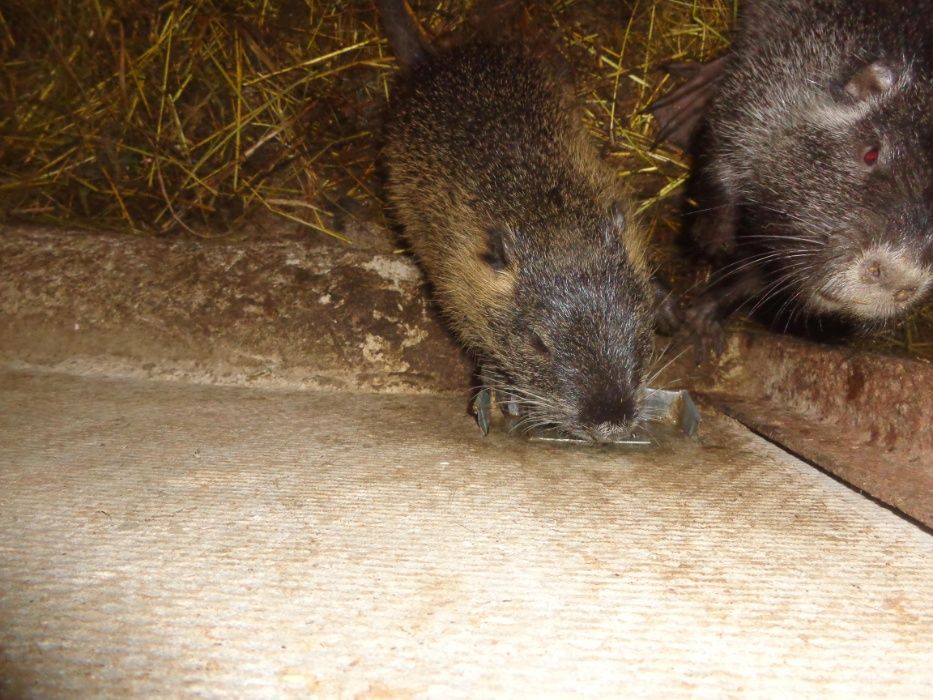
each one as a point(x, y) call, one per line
point(533, 256)
point(813, 180)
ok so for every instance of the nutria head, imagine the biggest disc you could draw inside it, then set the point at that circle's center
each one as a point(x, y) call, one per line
point(839, 197)
point(569, 335)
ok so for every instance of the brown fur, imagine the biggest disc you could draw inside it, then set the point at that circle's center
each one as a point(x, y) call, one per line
point(523, 232)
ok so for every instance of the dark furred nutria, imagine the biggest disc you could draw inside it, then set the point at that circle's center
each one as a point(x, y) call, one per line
point(521, 230)
point(813, 183)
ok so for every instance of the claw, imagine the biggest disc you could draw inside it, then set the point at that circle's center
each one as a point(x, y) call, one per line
point(482, 404)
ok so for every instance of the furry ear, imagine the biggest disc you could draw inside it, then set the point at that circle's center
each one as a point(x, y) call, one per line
point(615, 223)
point(870, 80)
point(498, 252)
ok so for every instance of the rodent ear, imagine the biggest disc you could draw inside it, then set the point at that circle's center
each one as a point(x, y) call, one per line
point(497, 254)
point(872, 79)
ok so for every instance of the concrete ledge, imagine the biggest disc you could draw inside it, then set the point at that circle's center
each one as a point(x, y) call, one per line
point(866, 418)
point(296, 313)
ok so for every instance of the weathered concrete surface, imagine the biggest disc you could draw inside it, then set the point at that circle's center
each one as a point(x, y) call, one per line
point(262, 312)
point(866, 418)
point(887, 401)
point(173, 540)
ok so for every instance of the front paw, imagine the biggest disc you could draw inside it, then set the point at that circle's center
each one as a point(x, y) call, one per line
point(703, 328)
point(668, 310)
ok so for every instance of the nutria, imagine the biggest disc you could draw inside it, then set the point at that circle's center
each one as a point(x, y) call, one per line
point(813, 144)
point(521, 229)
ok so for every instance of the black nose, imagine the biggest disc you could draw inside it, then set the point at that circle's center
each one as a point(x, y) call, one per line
point(607, 404)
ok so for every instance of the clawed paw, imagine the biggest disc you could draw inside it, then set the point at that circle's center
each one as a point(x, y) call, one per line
point(703, 328)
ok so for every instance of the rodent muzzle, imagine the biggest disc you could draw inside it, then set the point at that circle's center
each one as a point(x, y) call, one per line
point(880, 283)
point(607, 404)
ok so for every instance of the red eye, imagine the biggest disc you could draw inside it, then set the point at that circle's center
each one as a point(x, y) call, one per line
point(871, 156)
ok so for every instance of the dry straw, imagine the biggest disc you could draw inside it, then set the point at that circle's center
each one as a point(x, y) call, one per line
point(194, 117)
point(184, 116)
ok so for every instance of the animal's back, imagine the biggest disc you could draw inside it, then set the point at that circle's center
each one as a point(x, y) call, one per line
point(487, 136)
point(493, 126)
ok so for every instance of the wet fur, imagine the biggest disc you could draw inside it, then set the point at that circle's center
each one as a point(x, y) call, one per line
point(785, 206)
point(524, 235)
